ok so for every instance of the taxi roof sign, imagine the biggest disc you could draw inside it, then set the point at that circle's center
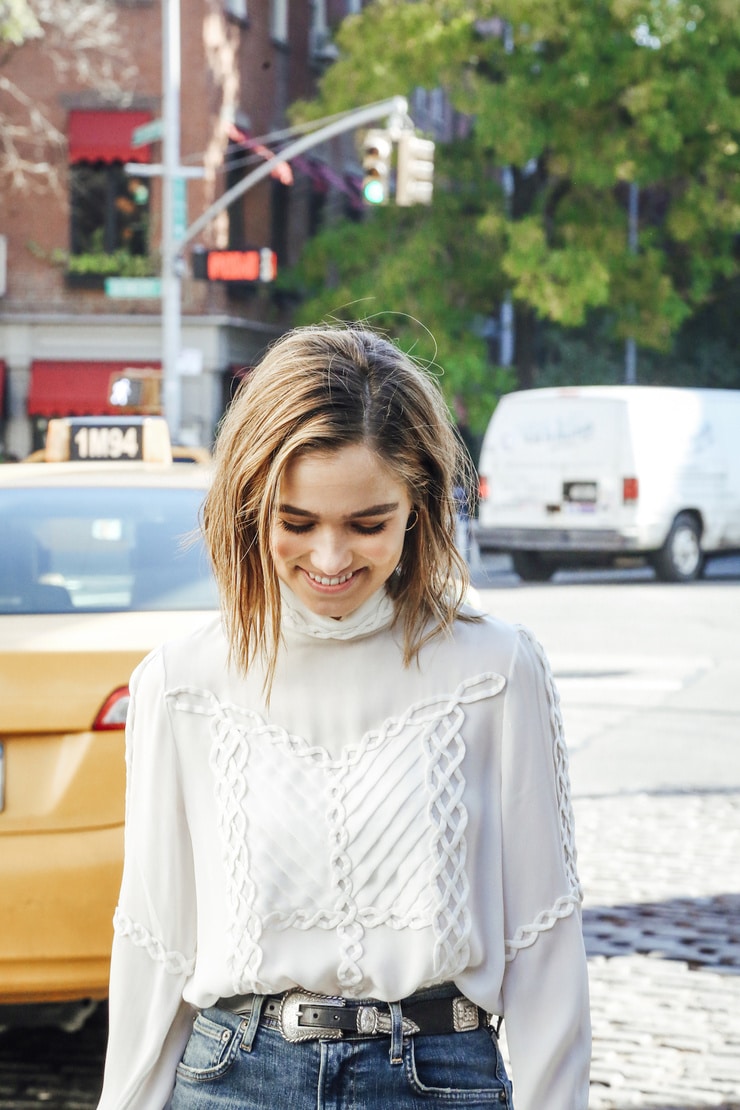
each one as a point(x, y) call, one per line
point(108, 439)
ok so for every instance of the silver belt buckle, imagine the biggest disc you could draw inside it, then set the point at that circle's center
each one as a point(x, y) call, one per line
point(464, 1015)
point(371, 1021)
point(290, 1012)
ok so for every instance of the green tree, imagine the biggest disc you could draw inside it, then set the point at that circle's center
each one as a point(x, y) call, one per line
point(579, 101)
point(420, 276)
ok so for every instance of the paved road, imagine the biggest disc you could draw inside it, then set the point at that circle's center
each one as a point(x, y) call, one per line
point(650, 683)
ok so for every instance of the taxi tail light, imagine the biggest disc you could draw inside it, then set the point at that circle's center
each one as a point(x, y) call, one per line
point(112, 713)
point(630, 490)
point(483, 487)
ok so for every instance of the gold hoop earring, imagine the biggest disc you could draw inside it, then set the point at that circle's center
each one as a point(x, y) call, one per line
point(415, 515)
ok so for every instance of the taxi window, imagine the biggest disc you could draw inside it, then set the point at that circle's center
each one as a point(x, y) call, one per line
point(102, 549)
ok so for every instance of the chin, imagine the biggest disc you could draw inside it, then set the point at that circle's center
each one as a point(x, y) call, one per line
point(334, 609)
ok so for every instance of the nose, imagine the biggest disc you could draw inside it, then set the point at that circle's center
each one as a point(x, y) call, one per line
point(330, 553)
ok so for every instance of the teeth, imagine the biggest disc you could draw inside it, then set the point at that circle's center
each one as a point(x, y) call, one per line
point(330, 581)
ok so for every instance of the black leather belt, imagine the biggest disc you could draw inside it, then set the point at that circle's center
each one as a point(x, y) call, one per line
point(301, 1016)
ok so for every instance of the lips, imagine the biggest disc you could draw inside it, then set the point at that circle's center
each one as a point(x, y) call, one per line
point(321, 580)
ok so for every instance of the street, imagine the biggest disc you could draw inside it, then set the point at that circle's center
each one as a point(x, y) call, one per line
point(649, 676)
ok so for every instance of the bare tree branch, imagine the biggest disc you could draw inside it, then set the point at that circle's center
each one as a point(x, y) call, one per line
point(83, 44)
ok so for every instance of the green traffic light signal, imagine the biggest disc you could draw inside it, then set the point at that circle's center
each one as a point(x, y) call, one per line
point(373, 191)
point(377, 149)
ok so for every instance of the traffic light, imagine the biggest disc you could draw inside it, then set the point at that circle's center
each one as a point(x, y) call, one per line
point(376, 165)
point(415, 170)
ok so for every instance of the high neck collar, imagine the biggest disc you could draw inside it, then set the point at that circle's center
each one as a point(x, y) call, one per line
point(375, 613)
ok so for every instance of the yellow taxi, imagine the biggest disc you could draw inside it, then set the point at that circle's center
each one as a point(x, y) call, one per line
point(100, 560)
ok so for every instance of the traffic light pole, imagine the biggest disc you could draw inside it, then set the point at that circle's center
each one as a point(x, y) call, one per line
point(395, 110)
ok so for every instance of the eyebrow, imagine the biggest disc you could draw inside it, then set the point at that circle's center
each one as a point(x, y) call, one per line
point(373, 510)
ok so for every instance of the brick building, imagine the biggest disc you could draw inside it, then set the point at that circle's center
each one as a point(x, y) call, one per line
point(66, 328)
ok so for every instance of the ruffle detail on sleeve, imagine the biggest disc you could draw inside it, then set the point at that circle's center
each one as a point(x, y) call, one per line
point(175, 963)
point(526, 935)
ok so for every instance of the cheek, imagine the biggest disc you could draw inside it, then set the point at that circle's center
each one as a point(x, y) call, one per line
point(281, 546)
point(389, 550)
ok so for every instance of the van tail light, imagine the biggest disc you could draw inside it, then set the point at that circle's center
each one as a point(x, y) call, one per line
point(483, 487)
point(112, 713)
point(630, 490)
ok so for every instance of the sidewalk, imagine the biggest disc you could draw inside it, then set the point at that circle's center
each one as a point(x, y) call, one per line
point(661, 874)
point(662, 930)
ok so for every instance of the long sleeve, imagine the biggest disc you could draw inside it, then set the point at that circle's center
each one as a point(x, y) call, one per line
point(545, 988)
point(154, 943)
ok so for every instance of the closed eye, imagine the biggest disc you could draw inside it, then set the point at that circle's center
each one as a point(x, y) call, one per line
point(297, 529)
point(369, 529)
point(360, 529)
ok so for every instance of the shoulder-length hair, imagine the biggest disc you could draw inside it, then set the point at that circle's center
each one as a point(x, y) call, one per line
point(323, 388)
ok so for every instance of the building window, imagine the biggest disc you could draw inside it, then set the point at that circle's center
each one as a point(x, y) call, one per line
point(236, 160)
point(109, 210)
point(280, 221)
point(279, 20)
point(237, 9)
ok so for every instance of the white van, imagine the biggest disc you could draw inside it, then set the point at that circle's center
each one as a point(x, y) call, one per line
point(598, 475)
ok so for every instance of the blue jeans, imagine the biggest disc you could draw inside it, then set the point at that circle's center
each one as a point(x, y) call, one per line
point(232, 1063)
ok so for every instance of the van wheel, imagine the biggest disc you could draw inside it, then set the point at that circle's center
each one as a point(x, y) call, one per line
point(681, 558)
point(532, 567)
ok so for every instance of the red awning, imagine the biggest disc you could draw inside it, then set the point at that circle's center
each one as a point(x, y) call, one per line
point(76, 388)
point(105, 136)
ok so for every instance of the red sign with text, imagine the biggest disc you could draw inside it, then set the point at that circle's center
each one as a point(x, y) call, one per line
point(250, 265)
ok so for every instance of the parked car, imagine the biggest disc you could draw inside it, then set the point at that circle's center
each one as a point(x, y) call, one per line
point(100, 560)
point(595, 475)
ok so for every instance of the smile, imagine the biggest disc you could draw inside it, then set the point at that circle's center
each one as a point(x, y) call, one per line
point(322, 581)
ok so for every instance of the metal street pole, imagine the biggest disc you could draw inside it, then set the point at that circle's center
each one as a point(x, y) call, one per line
point(630, 348)
point(171, 277)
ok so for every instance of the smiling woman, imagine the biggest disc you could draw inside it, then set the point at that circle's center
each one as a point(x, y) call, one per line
point(322, 390)
point(348, 810)
point(336, 541)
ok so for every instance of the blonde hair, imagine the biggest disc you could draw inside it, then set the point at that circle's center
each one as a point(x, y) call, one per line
point(326, 387)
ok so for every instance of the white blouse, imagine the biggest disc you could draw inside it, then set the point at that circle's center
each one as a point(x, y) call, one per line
point(375, 830)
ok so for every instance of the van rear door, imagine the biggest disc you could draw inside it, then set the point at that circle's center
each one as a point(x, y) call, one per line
point(555, 460)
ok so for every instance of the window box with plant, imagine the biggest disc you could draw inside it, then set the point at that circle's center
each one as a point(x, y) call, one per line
point(109, 226)
point(89, 270)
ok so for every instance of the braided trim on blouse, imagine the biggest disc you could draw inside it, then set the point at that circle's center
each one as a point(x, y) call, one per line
point(175, 963)
point(526, 935)
point(431, 755)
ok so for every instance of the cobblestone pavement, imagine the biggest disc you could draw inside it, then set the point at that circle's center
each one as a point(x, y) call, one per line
point(661, 874)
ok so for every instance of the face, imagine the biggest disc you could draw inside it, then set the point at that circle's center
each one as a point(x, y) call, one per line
point(339, 529)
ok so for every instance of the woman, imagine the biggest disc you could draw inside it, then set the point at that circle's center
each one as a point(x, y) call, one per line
point(349, 842)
